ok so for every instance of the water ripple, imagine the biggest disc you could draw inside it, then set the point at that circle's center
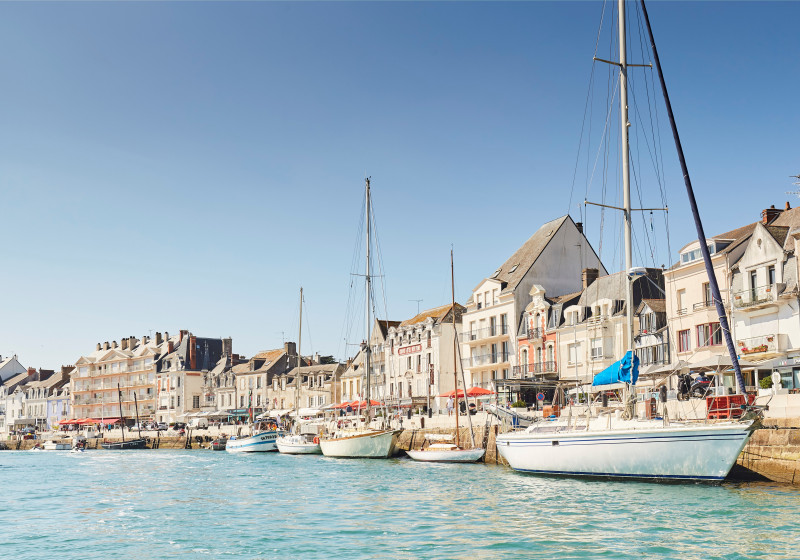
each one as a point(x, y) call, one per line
point(196, 504)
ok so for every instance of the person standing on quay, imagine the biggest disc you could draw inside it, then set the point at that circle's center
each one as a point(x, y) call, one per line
point(450, 406)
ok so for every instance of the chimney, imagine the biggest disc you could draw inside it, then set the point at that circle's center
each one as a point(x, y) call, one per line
point(193, 353)
point(105, 345)
point(787, 206)
point(31, 372)
point(132, 342)
point(123, 344)
point(159, 340)
point(183, 333)
point(769, 215)
point(227, 346)
point(99, 346)
point(114, 344)
point(588, 276)
point(170, 347)
point(290, 348)
point(316, 357)
point(579, 225)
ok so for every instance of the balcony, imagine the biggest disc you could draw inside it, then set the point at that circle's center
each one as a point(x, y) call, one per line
point(535, 334)
point(482, 334)
point(538, 368)
point(757, 298)
point(761, 347)
point(707, 304)
point(485, 359)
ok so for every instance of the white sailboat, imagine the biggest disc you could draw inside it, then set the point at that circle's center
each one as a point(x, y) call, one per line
point(618, 445)
point(297, 443)
point(450, 452)
point(263, 437)
point(365, 441)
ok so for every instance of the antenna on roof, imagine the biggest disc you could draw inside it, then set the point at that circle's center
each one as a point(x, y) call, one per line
point(417, 300)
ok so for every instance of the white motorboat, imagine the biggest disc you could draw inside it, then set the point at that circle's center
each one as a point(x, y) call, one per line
point(53, 445)
point(369, 443)
point(298, 445)
point(260, 441)
point(445, 452)
point(619, 445)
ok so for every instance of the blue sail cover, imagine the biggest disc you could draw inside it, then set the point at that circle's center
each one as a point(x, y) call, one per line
point(618, 372)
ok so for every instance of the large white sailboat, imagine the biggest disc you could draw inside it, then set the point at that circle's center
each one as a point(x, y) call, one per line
point(617, 444)
point(365, 441)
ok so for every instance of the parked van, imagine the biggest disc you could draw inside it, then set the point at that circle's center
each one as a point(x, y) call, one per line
point(196, 423)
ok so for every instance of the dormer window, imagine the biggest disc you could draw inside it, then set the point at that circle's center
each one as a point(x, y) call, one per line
point(496, 273)
point(513, 268)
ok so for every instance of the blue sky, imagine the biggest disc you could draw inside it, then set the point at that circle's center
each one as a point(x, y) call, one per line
point(186, 165)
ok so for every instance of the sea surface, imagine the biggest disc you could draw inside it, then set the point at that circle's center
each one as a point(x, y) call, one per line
point(204, 504)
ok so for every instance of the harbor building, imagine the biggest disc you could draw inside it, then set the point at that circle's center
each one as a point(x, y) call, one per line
point(10, 367)
point(258, 376)
point(593, 333)
point(651, 341)
point(179, 376)
point(312, 386)
point(552, 258)
point(691, 313)
point(378, 358)
point(161, 376)
point(764, 304)
point(419, 353)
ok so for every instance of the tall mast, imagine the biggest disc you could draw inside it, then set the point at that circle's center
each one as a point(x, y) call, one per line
point(297, 375)
point(701, 236)
point(626, 180)
point(455, 338)
point(367, 310)
point(121, 416)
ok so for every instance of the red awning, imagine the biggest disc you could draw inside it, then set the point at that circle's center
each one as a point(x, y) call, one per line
point(84, 421)
point(478, 391)
point(453, 394)
point(108, 421)
point(67, 422)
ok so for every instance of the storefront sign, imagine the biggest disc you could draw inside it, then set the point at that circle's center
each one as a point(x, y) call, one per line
point(409, 349)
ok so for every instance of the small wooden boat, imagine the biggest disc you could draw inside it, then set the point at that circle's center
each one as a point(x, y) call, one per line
point(219, 444)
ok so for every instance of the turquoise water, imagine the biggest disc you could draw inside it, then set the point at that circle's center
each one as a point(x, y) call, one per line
point(203, 504)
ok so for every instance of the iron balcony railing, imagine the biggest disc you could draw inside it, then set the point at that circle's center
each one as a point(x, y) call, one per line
point(487, 332)
point(535, 333)
point(755, 296)
point(758, 344)
point(533, 369)
point(485, 359)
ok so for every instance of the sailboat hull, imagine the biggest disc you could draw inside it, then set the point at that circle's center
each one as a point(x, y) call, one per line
point(639, 450)
point(376, 444)
point(259, 442)
point(139, 443)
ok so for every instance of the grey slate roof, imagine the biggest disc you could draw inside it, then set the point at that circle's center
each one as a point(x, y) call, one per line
point(514, 269)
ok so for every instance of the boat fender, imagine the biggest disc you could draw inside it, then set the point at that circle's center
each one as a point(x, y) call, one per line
point(316, 439)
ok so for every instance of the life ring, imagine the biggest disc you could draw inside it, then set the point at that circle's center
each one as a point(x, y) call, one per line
point(316, 439)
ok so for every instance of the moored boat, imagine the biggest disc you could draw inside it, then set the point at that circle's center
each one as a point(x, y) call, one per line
point(445, 451)
point(263, 439)
point(53, 445)
point(298, 445)
point(369, 444)
point(219, 444)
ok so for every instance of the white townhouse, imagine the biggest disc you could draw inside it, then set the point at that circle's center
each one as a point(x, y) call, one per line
point(419, 354)
point(553, 258)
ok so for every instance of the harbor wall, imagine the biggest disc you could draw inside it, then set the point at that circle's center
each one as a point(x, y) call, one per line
point(773, 452)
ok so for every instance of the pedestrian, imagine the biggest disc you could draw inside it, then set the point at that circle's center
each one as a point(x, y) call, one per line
point(450, 406)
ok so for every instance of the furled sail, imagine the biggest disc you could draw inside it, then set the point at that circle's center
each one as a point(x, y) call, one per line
point(625, 370)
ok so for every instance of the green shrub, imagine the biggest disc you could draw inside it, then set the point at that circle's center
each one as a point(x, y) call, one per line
point(765, 382)
point(519, 404)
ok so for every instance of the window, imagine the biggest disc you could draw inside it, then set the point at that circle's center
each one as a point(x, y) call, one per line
point(258, 399)
point(408, 363)
point(684, 341)
point(573, 351)
point(681, 302)
point(771, 275)
point(492, 326)
point(195, 401)
point(709, 335)
point(258, 382)
point(597, 348)
point(707, 294)
point(480, 301)
point(647, 322)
